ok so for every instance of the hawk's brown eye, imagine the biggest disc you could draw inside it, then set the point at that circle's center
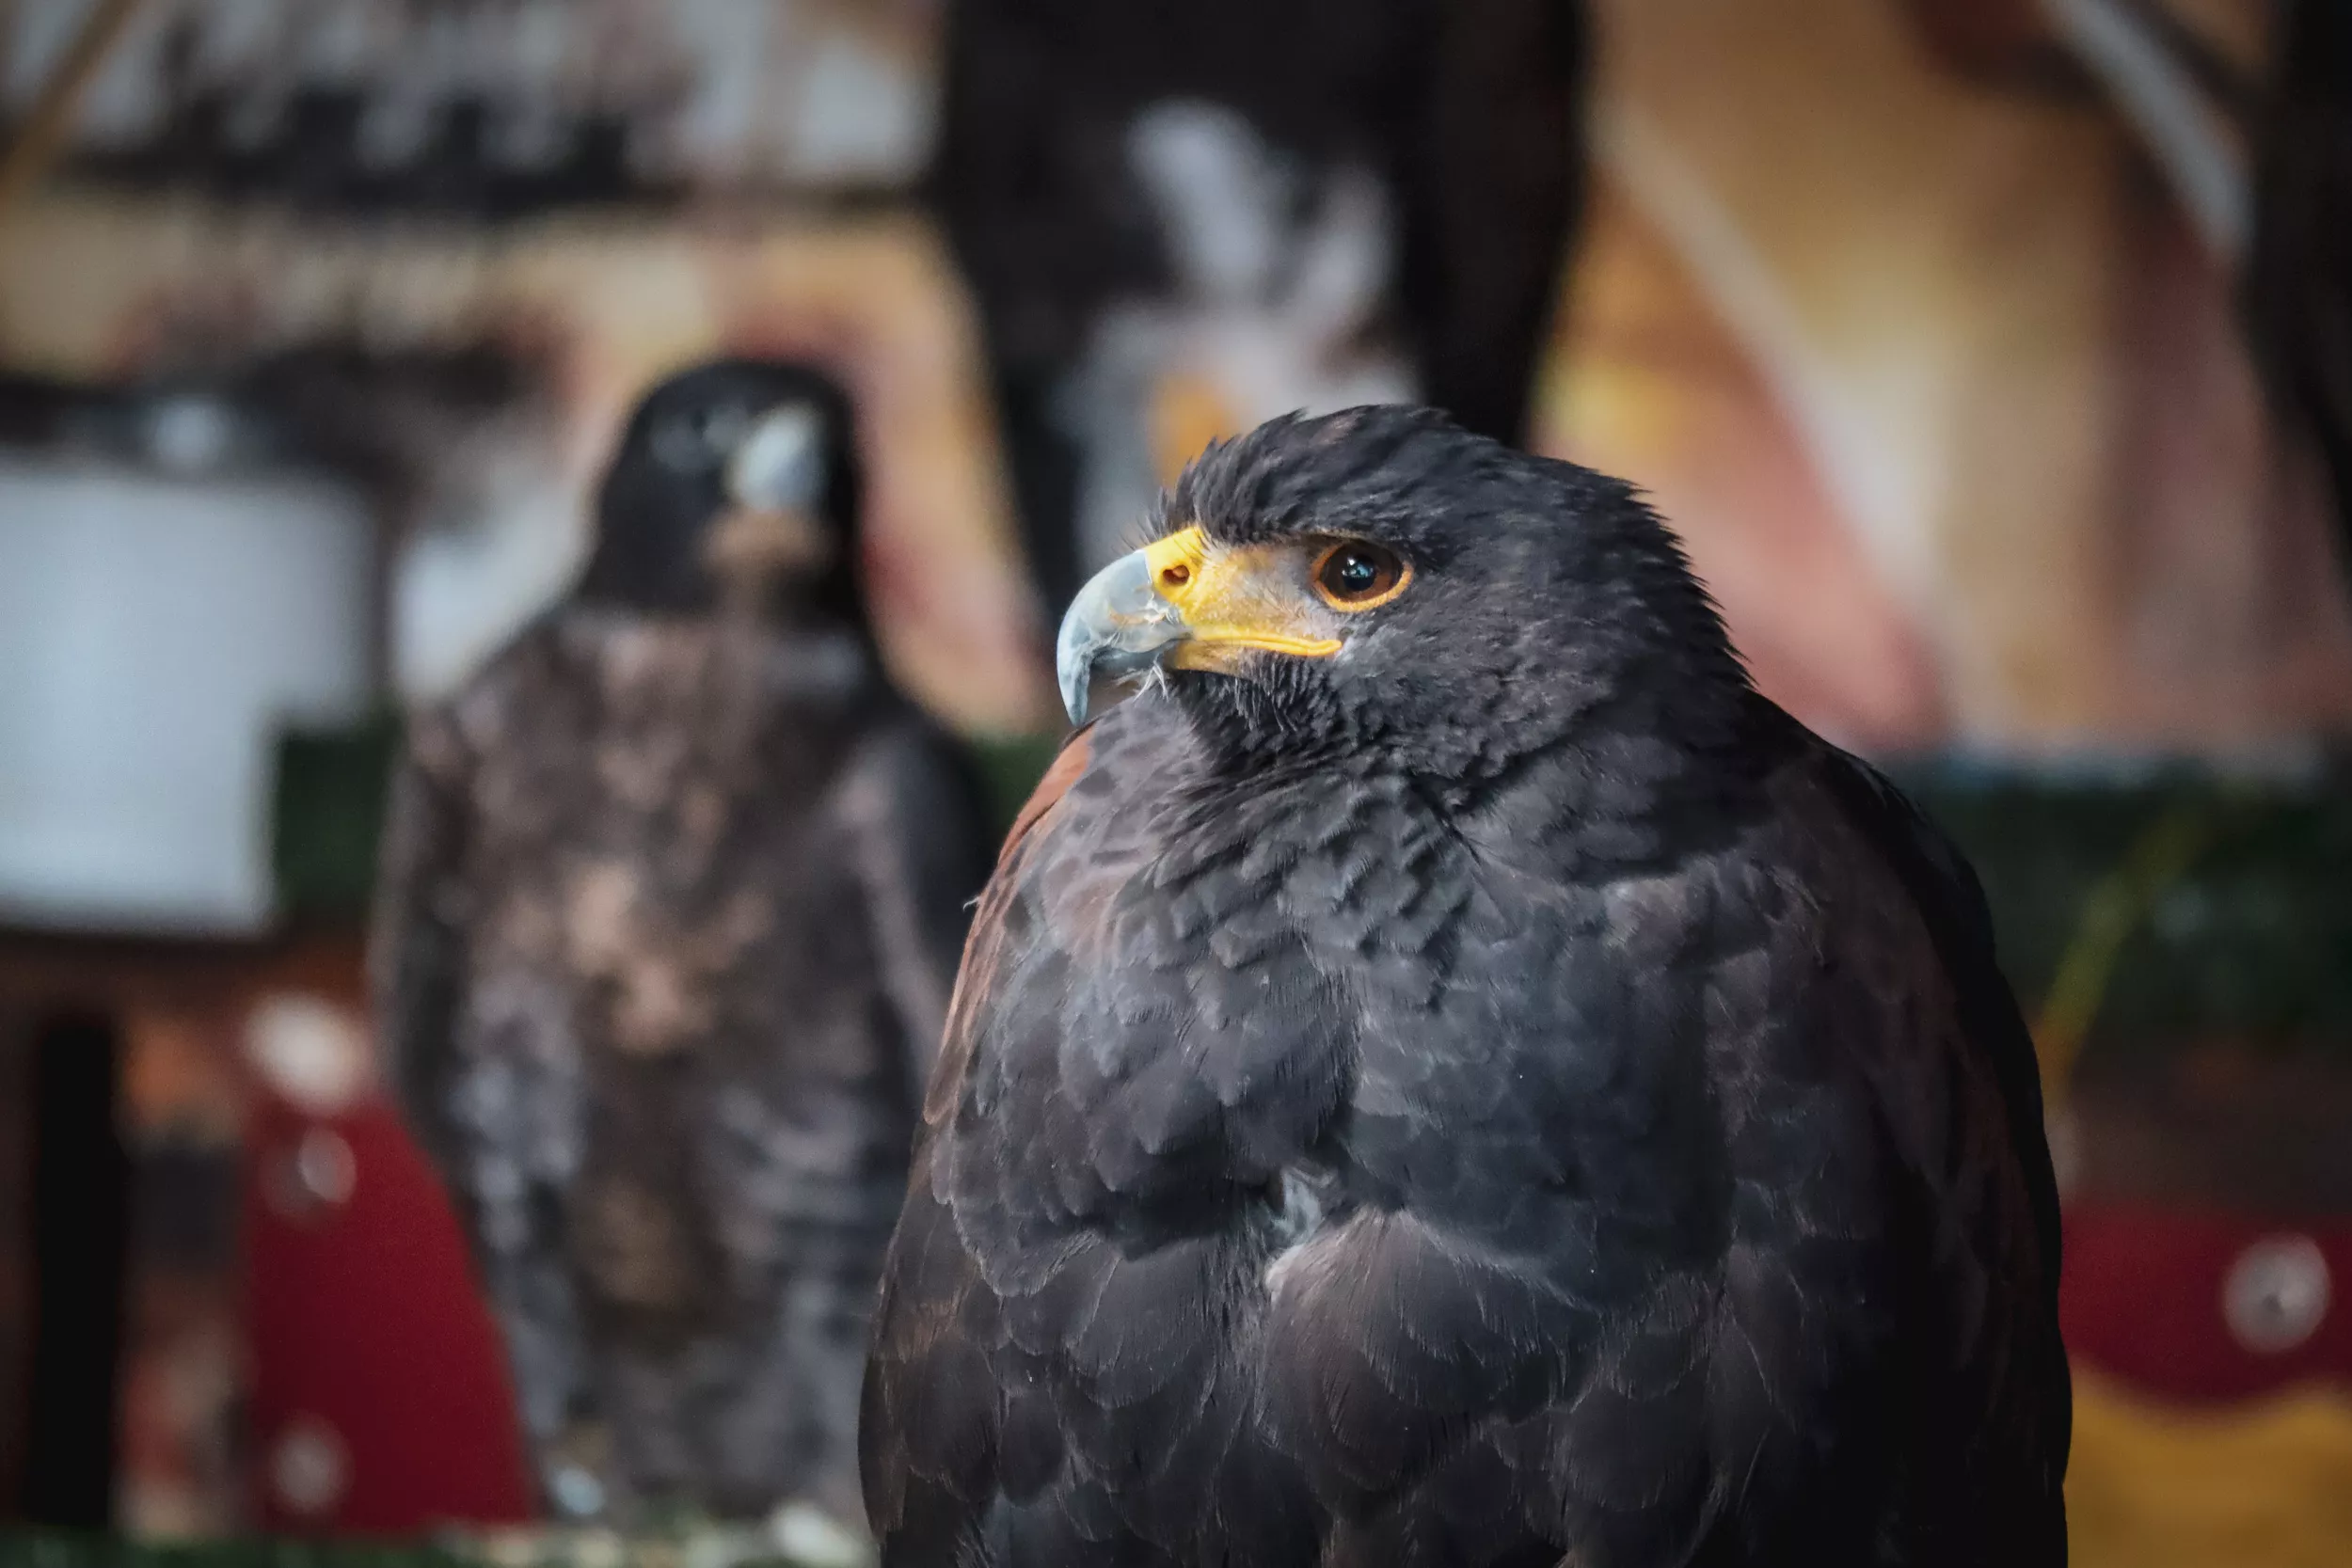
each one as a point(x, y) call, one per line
point(1357, 576)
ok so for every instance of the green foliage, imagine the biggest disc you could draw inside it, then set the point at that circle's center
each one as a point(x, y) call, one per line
point(327, 812)
point(1010, 765)
point(2249, 939)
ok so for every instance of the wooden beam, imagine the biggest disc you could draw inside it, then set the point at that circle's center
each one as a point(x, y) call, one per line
point(42, 132)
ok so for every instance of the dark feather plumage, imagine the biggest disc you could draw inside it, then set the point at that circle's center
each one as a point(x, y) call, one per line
point(671, 897)
point(1502, 1094)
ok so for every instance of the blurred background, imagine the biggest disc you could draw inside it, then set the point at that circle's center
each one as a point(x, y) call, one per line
point(1993, 356)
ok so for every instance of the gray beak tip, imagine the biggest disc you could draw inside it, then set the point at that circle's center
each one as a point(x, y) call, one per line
point(1077, 650)
point(1117, 624)
point(781, 463)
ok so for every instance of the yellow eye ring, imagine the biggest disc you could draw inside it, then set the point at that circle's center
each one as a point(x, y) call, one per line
point(1355, 574)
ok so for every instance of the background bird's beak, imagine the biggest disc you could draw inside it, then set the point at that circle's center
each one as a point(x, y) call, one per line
point(1191, 603)
point(779, 466)
point(776, 482)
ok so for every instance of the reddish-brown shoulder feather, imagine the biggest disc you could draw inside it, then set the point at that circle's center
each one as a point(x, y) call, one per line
point(1068, 763)
point(983, 946)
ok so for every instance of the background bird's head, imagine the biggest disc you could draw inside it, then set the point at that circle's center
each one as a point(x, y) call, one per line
point(1380, 581)
point(735, 483)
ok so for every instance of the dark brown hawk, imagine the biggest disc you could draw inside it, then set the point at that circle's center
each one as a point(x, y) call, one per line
point(672, 896)
point(1450, 1075)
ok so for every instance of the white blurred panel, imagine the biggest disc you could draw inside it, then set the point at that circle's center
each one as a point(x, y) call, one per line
point(154, 636)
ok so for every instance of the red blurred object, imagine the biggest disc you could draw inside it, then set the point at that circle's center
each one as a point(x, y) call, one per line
point(2207, 1307)
point(380, 1400)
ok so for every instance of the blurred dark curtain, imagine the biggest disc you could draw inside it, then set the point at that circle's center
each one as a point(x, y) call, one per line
point(2298, 284)
point(1471, 111)
point(79, 1225)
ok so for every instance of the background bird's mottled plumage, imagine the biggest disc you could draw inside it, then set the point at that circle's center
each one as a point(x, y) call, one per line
point(1472, 1141)
point(672, 906)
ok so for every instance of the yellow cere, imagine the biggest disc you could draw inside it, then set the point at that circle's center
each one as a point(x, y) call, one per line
point(1235, 597)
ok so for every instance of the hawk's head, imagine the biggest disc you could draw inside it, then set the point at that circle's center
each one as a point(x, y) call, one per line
point(1381, 581)
point(734, 481)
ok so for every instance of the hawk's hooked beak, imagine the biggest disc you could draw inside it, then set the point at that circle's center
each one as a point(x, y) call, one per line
point(775, 483)
point(1186, 602)
point(779, 465)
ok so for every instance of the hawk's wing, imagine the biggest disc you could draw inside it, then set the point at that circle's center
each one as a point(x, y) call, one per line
point(1950, 899)
point(929, 1432)
point(1037, 1390)
point(2029, 1397)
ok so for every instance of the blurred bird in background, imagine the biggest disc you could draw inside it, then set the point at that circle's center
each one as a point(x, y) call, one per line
point(1180, 220)
point(1451, 1074)
point(673, 894)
